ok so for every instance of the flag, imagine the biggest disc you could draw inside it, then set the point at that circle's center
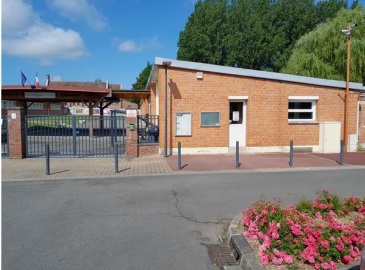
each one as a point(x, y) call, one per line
point(36, 81)
point(23, 78)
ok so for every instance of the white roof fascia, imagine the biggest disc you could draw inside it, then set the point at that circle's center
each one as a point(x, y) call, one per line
point(258, 74)
point(150, 77)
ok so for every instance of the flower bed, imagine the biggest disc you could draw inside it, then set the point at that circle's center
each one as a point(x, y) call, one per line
point(320, 233)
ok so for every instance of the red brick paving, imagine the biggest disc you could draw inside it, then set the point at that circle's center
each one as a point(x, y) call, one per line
point(262, 161)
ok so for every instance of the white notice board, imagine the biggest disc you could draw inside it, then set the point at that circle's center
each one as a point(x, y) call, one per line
point(183, 124)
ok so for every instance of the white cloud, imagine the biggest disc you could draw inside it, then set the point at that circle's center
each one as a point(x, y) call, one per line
point(133, 46)
point(129, 46)
point(26, 35)
point(80, 10)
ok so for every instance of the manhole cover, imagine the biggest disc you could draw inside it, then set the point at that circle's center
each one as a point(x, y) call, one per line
point(221, 255)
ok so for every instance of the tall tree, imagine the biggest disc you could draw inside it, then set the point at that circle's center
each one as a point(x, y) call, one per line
point(328, 9)
point(141, 82)
point(322, 53)
point(249, 33)
point(255, 34)
point(202, 40)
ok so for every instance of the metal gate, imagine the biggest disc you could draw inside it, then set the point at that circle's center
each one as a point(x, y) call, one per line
point(76, 136)
point(4, 136)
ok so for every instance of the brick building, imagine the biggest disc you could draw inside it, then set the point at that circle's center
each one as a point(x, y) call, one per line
point(211, 107)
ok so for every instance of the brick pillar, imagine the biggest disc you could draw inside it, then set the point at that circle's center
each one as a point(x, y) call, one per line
point(16, 134)
point(131, 138)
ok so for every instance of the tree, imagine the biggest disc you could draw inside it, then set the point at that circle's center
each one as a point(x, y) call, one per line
point(322, 53)
point(141, 82)
point(255, 34)
point(328, 9)
point(202, 40)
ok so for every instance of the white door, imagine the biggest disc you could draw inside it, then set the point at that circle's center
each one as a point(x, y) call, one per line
point(237, 123)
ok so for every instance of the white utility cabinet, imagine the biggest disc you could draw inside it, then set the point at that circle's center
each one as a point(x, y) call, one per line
point(330, 137)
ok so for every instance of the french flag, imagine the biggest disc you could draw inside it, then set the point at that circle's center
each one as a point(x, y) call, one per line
point(36, 81)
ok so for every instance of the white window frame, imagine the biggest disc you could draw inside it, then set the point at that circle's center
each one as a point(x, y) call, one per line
point(312, 99)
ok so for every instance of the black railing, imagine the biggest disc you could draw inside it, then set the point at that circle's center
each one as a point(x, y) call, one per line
point(148, 129)
point(77, 136)
point(4, 136)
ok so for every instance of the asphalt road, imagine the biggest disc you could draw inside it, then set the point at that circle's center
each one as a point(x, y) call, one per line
point(152, 222)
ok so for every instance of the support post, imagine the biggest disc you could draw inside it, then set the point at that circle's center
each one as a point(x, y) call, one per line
point(74, 133)
point(179, 156)
point(291, 154)
point(237, 154)
point(116, 158)
point(342, 148)
point(47, 160)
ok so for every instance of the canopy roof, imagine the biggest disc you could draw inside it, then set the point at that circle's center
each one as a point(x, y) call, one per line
point(59, 93)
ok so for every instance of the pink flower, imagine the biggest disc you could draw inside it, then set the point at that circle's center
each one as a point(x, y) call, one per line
point(288, 259)
point(323, 206)
point(325, 265)
point(265, 259)
point(277, 260)
point(347, 259)
point(296, 229)
point(325, 244)
point(340, 246)
point(318, 215)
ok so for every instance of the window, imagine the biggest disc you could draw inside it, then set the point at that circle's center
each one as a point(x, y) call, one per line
point(35, 106)
point(5, 104)
point(55, 107)
point(210, 119)
point(302, 109)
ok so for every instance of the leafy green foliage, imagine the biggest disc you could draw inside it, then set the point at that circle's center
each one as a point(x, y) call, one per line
point(255, 34)
point(141, 82)
point(203, 37)
point(322, 53)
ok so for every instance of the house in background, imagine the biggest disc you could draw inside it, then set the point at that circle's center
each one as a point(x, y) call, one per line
point(210, 107)
point(35, 108)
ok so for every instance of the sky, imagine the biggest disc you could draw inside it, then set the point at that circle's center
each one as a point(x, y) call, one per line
point(88, 40)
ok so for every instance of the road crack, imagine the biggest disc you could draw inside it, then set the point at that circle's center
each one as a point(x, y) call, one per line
point(181, 214)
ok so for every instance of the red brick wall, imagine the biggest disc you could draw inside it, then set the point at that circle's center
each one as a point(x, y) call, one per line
point(148, 149)
point(267, 108)
point(16, 133)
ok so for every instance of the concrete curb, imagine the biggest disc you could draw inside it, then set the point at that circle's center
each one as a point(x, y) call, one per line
point(241, 248)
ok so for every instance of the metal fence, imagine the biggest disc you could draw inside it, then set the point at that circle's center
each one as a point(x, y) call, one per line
point(76, 136)
point(148, 129)
point(4, 136)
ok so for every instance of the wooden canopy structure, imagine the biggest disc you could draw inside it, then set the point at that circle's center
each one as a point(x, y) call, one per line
point(92, 96)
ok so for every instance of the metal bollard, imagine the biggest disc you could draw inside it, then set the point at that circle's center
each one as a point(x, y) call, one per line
point(291, 154)
point(237, 154)
point(342, 150)
point(179, 155)
point(116, 158)
point(47, 160)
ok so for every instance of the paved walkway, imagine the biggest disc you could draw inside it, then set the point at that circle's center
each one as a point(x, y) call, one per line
point(35, 168)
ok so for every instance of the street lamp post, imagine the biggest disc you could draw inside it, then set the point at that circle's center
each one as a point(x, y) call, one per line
point(347, 32)
point(166, 64)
